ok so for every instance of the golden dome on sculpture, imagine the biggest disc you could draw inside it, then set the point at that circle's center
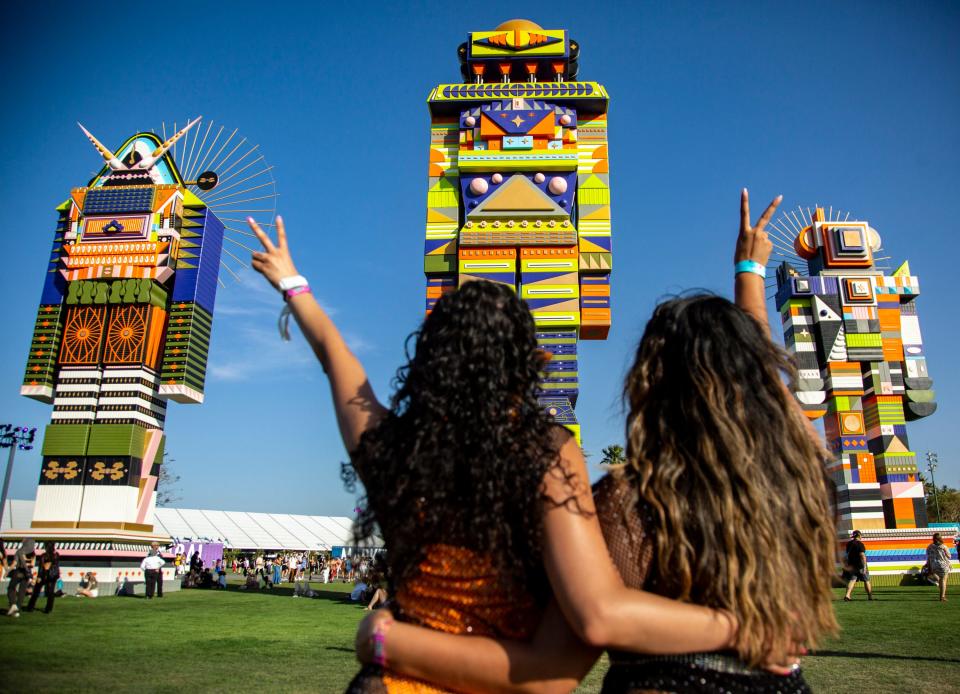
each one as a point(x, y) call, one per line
point(521, 24)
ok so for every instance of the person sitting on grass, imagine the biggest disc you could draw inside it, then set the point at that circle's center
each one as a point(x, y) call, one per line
point(250, 583)
point(376, 594)
point(89, 587)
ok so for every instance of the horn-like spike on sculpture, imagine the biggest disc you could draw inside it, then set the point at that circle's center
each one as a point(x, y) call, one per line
point(107, 155)
point(147, 162)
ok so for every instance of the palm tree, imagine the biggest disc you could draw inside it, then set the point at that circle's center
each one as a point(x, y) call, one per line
point(613, 456)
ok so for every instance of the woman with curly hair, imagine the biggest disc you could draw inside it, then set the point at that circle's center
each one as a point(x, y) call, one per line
point(724, 482)
point(483, 503)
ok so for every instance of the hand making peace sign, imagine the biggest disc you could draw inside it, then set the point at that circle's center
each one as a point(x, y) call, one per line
point(274, 262)
point(753, 242)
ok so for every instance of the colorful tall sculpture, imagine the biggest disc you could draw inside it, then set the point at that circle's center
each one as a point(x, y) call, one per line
point(855, 334)
point(519, 191)
point(123, 326)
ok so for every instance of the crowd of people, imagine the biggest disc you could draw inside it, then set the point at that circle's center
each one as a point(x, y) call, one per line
point(31, 575)
point(265, 571)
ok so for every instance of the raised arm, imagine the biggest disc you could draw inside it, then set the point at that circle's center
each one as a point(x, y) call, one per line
point(750, 259)
point(355, 403)
point(752, 252)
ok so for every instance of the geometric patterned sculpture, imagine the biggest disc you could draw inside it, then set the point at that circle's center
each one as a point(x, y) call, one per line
point(519, 191)
point(123, 327)
point(854, 333)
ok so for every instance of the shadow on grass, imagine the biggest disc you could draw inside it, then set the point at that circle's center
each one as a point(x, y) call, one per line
point(883, 656)
point(338, 596)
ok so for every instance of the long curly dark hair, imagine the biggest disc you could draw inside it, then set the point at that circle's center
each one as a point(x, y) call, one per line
point(460, 457)
point(731, 475)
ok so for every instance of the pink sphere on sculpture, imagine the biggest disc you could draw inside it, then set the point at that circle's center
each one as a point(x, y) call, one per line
point(479, 186)
point(539, 178)
point(558, 185)
point(497, 178)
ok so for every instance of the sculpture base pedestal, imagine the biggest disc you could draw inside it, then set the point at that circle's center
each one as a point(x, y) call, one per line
point(113, 557)
point(896, 556)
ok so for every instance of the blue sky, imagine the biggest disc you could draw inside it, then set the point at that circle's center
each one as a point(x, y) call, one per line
point(853, 104)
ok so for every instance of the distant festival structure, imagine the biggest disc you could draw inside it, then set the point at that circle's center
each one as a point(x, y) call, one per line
point(124, 326)
point(519, 191)
point(855, 334)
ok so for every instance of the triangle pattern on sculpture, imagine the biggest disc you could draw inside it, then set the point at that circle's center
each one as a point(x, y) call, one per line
point(896, 446)
point(600, 212)
point(163, 196)
point(594, 182)
point(839, 350)
point(819, 306)
point(435, 215)
point(903, 270)
point(518, 197)
point(442, 185)
point(587, 246)
point(826, 337)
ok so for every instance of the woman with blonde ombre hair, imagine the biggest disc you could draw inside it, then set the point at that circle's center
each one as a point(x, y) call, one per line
point(724, 483)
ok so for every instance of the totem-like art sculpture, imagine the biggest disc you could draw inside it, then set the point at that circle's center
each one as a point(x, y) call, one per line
point(519, 191)
point(123, 326)
point(854, 332)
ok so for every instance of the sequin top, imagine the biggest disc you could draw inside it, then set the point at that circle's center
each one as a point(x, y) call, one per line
point(628, 537)
point(458, 591)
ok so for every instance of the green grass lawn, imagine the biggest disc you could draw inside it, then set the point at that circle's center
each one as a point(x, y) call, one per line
point(238, 641)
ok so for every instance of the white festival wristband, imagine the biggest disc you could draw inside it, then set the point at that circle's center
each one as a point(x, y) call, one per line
point(287, 283)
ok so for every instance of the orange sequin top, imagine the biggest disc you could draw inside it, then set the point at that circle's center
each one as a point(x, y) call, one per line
point(458, 591)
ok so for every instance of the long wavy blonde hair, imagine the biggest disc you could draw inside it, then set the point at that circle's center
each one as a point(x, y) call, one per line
point(730, 476)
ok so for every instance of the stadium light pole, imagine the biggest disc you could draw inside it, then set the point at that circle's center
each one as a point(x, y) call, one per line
point(932, 462)
point(15, 438)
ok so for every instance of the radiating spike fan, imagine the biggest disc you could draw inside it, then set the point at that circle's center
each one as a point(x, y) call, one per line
point(784, 231)
point(232, 177)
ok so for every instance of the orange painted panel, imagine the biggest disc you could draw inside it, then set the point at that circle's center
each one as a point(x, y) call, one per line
point(156, 329)
point(892, 349)
point(903, 512)
point(868, 467)
point(566, 252)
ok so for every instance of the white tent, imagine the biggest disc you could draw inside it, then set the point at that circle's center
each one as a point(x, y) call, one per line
point(236, 529)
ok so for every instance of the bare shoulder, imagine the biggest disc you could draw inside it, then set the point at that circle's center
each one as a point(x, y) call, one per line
point(567, 481)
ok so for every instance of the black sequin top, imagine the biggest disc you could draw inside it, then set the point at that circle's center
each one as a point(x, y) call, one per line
point(631, 549)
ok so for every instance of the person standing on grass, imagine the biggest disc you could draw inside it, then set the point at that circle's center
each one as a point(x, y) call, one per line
point(21, 575)
point(938, 560)
point(152, 566)
point(291, 568)
point(47, 578)
point(856, 567)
